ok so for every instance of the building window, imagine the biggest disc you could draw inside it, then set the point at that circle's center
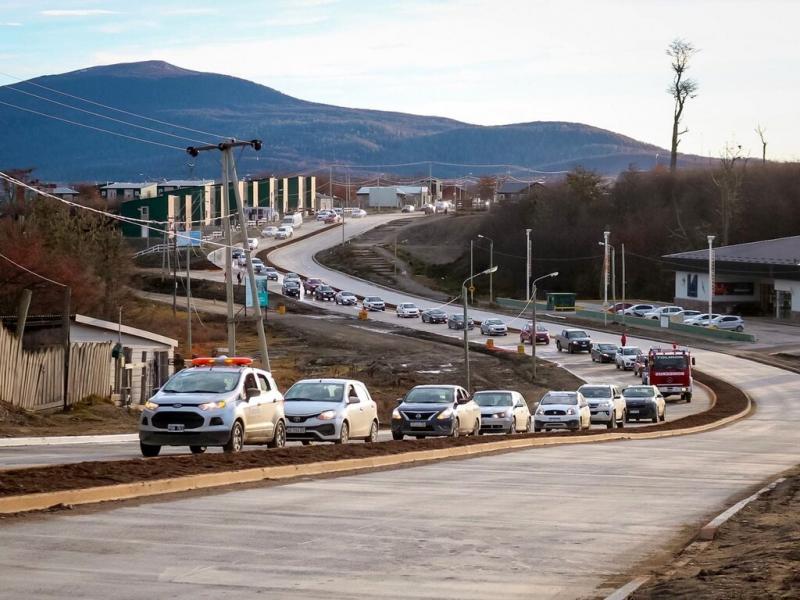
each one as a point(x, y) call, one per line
point(691, 285)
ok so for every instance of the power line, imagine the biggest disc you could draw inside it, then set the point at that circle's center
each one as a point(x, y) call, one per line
point(126, 112)
point(16, 264)
point(102, 116)
point(130, 137)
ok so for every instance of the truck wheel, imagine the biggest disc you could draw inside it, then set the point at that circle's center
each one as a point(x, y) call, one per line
point(689, 397)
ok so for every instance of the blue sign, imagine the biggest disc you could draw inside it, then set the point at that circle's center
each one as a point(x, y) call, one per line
point(261, 287)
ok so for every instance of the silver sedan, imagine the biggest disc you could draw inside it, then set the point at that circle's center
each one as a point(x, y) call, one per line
point(503, 411)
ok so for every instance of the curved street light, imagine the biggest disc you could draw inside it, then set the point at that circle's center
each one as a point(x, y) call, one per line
point(533, 321)
point(466, 329)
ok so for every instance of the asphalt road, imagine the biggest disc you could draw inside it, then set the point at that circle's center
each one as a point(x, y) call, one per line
point(552, 522)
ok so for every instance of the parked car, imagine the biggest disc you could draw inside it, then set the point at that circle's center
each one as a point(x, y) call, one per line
point(639, 310)
point(669, 311)
point(291, 288)
point(562, 410)
point(269, 231)
point(215, 402)
point(701, 319)
point(619, 307)
point(258, 265)
point(604, 353)
point(503, 411)
point(436, 410)
point(345, 298)
point(494, 327)
point(330, 410)
point(332, 219)
point(408, 208)
point(542, 334)
point(573, 340)
point(626, 357)
point(284, 232)
point(373, 303)
point(252, 243)
point(456, 321)
point(729, 322)
point(434, 315)
point(407, 310)
point(311, 284)
point(644, 402)
point(270, 272)
point(324, 292)
point(606, 404)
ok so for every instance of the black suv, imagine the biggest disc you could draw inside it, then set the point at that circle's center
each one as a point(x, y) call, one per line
point(291, 288)
point(324, 292)
point(573, 340)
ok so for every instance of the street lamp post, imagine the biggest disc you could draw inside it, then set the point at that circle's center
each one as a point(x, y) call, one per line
point(605, 276)
point(491, 264)
point(466, 329)
point(613, 277)
point(528, 264)
point(710, 276)
point(533, 320)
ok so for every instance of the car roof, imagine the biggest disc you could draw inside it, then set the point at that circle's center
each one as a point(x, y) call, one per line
point(437, 385)
point(496, 392)
point(326, 380)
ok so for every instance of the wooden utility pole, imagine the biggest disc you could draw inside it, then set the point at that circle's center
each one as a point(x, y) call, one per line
point(65, 320)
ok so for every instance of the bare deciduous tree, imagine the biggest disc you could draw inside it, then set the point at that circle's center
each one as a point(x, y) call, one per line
point(762, 136)
point(682, 88)
point(728, 179)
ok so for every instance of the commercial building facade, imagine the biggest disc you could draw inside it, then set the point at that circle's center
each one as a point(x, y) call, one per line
point(757, 278)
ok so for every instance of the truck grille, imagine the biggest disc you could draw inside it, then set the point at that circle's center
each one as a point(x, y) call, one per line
point(190, 420)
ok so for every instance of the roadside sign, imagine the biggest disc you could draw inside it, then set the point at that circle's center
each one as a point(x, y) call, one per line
point(471, 289)
point(261, 287)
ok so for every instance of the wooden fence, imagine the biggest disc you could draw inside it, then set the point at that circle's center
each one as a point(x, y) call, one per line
point(34, 380)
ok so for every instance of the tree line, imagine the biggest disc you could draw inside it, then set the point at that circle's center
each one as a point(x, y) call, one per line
point(653, 213)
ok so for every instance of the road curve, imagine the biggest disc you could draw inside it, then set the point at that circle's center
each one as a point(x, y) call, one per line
point(545, 523)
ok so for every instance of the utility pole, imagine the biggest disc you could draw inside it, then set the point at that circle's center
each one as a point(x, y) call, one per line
point(605, 277)
point(623, 284)
point(174, 269)
point(229, 176)
point(188, 301)
point(710, 276)
point(491, 264)
point(469, 279)
point(65, 321)
point(471, 275)
point(528, 265)
point(226, 227)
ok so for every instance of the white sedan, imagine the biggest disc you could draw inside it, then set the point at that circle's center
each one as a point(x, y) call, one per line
point(407, 310)
point(729, 322)
point(269, 231)
point(252, 243)
point(699, 319)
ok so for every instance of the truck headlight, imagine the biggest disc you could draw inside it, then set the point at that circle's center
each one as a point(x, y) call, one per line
point(212, 405)
point(445, 414)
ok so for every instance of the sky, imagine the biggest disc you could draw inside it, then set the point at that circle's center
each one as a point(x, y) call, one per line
point(599, 62)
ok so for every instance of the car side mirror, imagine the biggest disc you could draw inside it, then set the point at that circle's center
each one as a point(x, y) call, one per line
point(252, 393)
point(400, 400)
point(353, 400)
point(462, 400)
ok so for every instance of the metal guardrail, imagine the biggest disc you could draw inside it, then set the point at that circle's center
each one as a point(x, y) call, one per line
point(152, 250)
point(597, 315)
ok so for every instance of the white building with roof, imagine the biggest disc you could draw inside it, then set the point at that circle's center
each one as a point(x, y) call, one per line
point(393, 196)
point(129, 190)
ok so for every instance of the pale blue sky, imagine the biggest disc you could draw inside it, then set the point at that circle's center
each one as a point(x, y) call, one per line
point(482, 61)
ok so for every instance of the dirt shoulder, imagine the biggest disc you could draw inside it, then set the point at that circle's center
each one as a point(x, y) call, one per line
point(94, 416)
point(101, 473)
point(756, 554)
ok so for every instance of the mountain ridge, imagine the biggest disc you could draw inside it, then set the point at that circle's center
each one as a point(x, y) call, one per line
point(298, 134)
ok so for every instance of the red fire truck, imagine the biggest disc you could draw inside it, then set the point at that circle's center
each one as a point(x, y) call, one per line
point(671, 371)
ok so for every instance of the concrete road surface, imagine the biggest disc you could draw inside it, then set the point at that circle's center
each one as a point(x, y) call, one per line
point(545, 523)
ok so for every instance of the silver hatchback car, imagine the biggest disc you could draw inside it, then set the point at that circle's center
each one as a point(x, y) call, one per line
point(503, 411)
point(216, 402)
point(330, 410)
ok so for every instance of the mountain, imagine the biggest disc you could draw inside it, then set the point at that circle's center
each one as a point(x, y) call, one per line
point(298, 134)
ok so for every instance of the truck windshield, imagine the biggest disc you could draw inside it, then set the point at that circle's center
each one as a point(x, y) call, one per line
point(576, 334)
point(669, 363)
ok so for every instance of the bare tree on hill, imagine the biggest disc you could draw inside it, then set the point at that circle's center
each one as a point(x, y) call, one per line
point(682, 88)
point(762, 136)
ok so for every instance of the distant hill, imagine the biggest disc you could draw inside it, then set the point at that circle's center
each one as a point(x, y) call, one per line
point(298, 135)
